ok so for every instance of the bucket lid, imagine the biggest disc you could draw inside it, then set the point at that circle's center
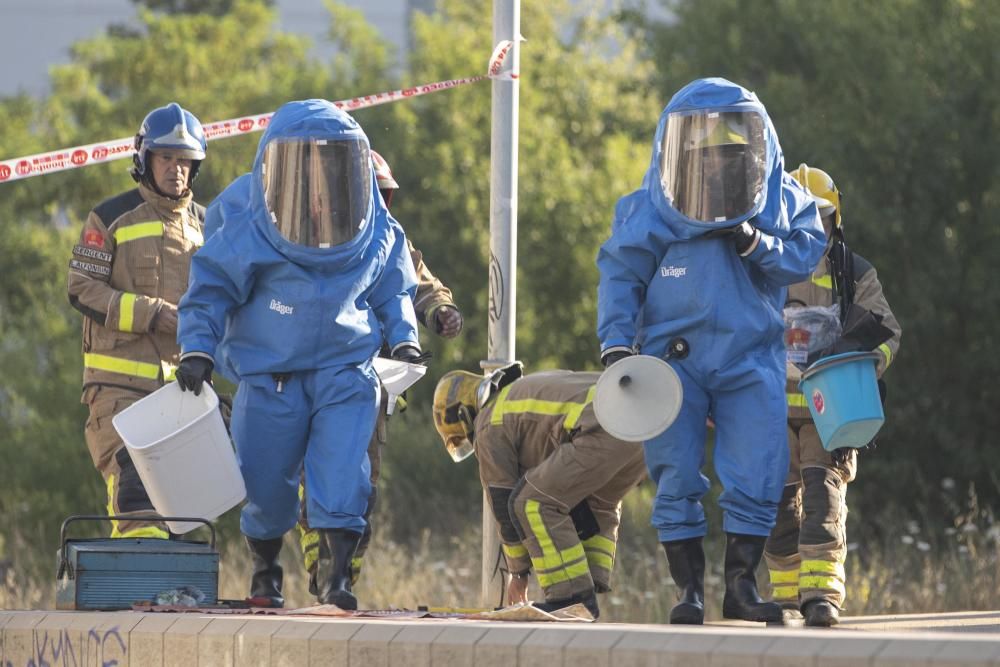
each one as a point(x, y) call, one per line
point(638, 398)
point(836, 360)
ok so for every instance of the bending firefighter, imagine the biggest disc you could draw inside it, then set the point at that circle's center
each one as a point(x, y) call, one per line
point(127, 274)
point(554, 477)
point(295, 295)
point(807, 548)
point(436, 310)
point(704, 250)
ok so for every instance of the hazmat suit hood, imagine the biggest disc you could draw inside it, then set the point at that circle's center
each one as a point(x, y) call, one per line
point(716, 95)
point(313, 119)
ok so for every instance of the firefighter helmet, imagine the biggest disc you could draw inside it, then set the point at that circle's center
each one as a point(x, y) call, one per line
point(169, 128)
point(458, 398)
point(819, 184)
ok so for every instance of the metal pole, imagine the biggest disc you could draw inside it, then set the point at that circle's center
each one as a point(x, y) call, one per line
point(503, 242)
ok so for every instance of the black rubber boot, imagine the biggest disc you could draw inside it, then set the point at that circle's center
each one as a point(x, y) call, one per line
point(333, 568)
point(588, 600)
point(687, 566)
point(820, 613)
point(267, 573)
point(743, 554)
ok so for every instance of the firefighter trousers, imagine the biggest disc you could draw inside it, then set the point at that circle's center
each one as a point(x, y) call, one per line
point(572, 545)
point(806, 550)
point(125, 492)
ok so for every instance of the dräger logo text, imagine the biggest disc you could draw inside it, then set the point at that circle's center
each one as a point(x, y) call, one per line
point(673, 271)
point(281, 308)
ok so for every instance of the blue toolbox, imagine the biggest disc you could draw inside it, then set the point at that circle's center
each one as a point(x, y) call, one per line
point(106, 573)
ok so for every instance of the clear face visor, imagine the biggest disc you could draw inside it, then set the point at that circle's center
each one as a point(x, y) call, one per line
point(317, 190)
point(458, 444)
point(713, 164)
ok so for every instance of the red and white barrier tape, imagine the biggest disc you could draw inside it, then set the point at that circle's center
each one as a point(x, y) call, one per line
point(19, 168)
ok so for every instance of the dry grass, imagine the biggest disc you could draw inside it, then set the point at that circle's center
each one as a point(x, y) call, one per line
point(908, 568)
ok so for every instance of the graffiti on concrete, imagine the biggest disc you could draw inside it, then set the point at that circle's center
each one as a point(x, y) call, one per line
point(56, 648)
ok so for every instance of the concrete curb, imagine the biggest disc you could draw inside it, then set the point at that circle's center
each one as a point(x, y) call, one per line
point(201, 640)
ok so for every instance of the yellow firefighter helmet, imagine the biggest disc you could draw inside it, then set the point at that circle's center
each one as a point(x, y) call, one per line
point(821, 187)
point(458, 398)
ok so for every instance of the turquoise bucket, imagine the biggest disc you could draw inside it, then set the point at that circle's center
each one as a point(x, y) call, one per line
point(842, 394)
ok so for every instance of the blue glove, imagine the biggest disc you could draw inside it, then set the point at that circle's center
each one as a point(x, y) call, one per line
point(193, 372)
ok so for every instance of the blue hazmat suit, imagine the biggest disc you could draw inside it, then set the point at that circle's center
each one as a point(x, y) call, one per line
point(662, 277)
point(227, 205)
point(299, 327)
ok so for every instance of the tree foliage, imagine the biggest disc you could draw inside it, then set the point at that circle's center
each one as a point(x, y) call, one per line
point(897, 101)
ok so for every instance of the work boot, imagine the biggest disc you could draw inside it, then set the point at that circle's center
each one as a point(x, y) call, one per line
point(743, 554)
point(588, 600)
point(820, 613)
point(333, 568)
point(686, 559)
point(265, 583)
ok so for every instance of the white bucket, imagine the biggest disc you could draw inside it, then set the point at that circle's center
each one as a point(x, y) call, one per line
point(182, 453)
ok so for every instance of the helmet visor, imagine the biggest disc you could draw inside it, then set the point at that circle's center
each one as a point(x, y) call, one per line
point(317, 190)
point(459, 448)
point(714, 164)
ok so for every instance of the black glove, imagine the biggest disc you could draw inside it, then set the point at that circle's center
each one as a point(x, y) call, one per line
point(841, 455)
point(193, 372)
point(614, 356)
point(745, 238)
point(407, 352)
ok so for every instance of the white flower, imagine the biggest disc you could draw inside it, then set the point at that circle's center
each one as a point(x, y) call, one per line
point(923, 546)
point(907, 539)
point(947, 483)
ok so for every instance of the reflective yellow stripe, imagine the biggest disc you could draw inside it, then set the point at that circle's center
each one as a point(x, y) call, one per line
point(102, 362)
point(887, 352)
point(823, 567)
point(600, 559)
point(827, 583)
point(796, 401)
point(169, 371)
point(573, 417)
point(138, 231)
point(308, 539)
point(599, 542)
point(780, 577)
point(570, 409)
point(514, 550)
point(600, 551)
point(561, 565)
point(823, 281)
point(142, 531)
point(553, 560)
point(546, 579)
point(126, 311)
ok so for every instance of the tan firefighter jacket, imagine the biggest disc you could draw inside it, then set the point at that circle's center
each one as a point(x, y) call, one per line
point(134, 255)
point(523, 426)
point(431, 292)
point(818, 291)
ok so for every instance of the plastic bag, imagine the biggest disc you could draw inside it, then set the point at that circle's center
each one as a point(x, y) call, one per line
point(810, 329)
